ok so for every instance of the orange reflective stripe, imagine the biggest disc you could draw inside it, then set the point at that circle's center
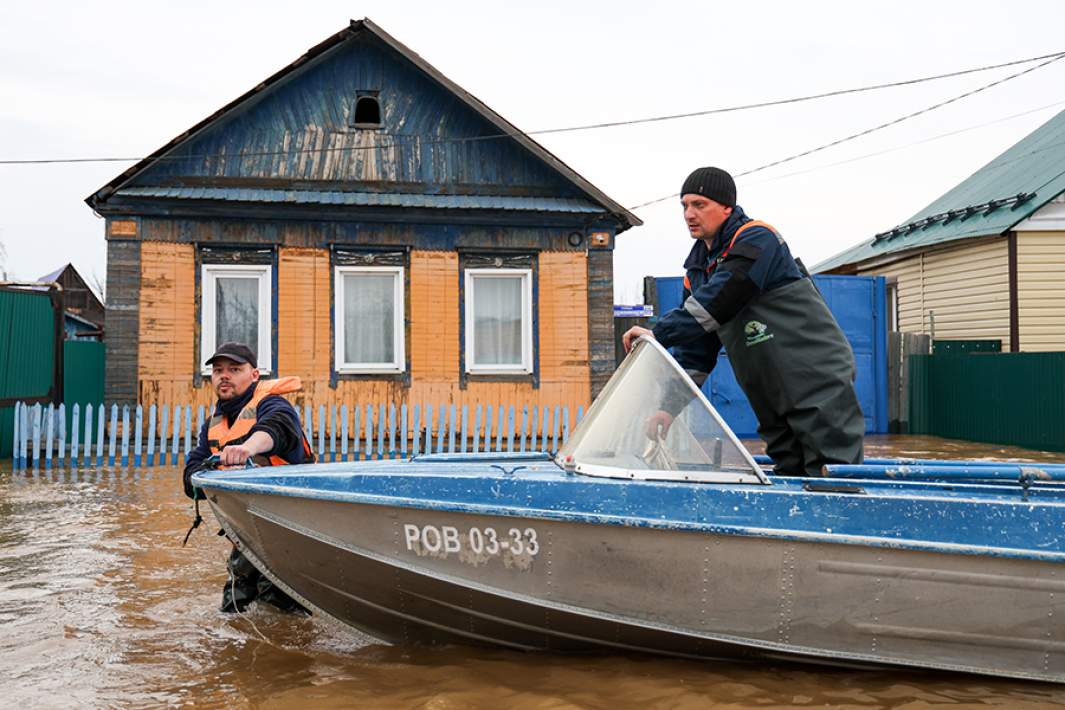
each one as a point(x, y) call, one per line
point(753, 223)
point(741, 230)
point(687, 283)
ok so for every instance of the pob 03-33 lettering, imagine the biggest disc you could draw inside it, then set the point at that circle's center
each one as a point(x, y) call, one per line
point(480, 541)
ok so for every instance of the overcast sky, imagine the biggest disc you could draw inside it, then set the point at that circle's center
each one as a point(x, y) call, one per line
point(121, 79)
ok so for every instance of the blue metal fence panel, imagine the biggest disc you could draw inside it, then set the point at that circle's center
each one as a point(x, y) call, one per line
point(859, 305)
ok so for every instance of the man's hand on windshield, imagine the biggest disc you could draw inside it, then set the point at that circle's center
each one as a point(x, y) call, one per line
point(658, 425)
point(632, 334)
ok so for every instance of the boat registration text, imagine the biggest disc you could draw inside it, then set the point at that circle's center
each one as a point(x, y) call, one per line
point(480, 541)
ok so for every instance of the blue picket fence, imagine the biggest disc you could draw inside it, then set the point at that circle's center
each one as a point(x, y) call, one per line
point(137, 437)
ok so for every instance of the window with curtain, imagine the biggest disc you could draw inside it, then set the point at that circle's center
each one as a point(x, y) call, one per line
point(498, 321)
point(369, 319)
point(235, 306)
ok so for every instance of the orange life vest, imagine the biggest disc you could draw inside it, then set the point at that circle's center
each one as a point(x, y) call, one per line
point(220, 433)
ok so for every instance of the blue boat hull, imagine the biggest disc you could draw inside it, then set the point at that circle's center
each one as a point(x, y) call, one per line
point(516, 553)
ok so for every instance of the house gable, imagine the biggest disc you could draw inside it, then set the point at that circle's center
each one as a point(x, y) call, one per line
point(1049, 217)
point(298, 131)
point(78, 298)
point(303, 132)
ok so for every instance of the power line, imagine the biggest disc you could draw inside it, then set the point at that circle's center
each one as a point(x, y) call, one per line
point(921, 142)
point(867, 131)
point(798, 99)
point(568, 129)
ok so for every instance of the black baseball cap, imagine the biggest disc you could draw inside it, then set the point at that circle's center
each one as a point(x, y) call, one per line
point(237, 352)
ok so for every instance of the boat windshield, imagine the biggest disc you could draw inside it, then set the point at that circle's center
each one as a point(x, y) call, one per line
point(652, 422)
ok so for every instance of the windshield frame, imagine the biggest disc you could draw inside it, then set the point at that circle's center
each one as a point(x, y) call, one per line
point(565, 455)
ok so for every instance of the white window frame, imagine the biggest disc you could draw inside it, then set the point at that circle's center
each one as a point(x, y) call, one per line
point(399, 364)
point(891, 291)
point(208, 276)
point(526, 366)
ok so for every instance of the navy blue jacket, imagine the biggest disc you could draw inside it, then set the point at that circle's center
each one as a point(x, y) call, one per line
point(718, 285)
point(271, 407)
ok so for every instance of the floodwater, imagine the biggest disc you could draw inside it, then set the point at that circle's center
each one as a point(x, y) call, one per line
point(100, 606)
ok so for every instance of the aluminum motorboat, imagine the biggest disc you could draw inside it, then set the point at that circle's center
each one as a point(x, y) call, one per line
point(662, 534)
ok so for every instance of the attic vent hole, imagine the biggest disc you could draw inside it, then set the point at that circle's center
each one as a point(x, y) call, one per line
point(367, 111)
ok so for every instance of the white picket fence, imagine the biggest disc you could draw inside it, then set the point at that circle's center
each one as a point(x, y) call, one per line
point(119, 436)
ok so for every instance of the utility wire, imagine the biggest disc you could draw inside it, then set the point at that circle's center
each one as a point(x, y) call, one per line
point(867, 131)
point(569, 129)
point(798, 99)
point(923, 141)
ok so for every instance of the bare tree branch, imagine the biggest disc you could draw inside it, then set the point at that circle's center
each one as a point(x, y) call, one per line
point(99, 285)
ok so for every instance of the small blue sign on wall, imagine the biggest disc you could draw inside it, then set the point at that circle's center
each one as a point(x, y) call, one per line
point(859, 305)
point(634, 311)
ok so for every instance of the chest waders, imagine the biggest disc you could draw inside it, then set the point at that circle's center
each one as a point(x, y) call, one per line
point(797, 370)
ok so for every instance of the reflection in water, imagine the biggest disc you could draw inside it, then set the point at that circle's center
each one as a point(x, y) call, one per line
point(100, 606)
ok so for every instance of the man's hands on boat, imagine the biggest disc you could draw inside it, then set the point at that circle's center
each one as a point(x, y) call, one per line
point(658, 423)
point(632, 334)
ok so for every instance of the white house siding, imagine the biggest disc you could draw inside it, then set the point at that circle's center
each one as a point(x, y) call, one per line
point(1041, 290)
point(966, 286)
point(907, 274)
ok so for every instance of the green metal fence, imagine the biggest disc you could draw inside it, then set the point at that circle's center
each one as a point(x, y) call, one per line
point(83, 371)
point(31, 324)
point(1016, 399)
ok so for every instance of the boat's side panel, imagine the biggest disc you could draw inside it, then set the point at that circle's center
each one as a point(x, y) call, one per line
point(370, 585)
point(411, 574)
point(957, 610)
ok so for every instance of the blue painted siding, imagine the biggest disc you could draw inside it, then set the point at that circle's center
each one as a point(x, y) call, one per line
point(312, 110)
point(859, 305)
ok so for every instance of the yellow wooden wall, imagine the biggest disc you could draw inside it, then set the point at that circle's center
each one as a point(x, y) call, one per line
point(965, 285)
point(1041, 290)
point(169, 331)
point(433, 341)
point(168, 324)
point(303, 302)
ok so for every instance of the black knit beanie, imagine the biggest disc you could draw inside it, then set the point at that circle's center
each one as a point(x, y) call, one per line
point(714, 183)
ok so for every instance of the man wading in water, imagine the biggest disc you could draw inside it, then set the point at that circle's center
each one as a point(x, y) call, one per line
point(743, 289)
point(251, 421)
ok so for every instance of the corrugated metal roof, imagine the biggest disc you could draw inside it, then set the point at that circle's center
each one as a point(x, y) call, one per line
point(368, 199)
point(984, 204)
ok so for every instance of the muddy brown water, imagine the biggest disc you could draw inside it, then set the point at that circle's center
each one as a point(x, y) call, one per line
point(100, 606)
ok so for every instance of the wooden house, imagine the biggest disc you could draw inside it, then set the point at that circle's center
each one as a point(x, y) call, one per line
point(85, 313)
point(368, 225)
point(986, 261)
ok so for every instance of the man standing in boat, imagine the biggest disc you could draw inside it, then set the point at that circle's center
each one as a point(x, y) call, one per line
point(744, 290)
point(250, 421)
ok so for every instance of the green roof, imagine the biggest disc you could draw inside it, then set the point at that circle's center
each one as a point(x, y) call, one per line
point(996, 197)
